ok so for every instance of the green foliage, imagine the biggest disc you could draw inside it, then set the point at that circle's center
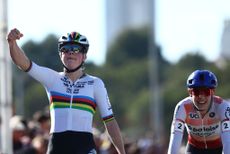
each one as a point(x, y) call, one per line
point(193, 61)
point(126, 77)
point(37, 100)
point(44, 53)
point(131, 44)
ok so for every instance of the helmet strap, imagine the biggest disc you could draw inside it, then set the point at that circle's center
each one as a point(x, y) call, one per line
point(72, 70)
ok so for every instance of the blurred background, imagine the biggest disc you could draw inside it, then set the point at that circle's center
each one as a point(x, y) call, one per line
point(144, 51)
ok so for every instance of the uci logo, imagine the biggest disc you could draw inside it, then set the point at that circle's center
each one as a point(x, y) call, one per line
point(193, 115)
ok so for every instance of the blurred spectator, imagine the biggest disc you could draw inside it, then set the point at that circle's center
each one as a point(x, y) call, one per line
point(18, 127)
point(132, 147)
point(40, 144)
point(43, 120)
point(106, 145)
point(97, 139)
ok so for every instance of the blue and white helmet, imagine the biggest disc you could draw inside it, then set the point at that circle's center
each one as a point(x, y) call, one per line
point(74, 38)
point(202, 78)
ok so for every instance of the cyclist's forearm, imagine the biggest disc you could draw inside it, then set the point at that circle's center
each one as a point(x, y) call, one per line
point(16, 53)
point(175, 142)
point(115, 135)
point(18, 56)
point(225, 137)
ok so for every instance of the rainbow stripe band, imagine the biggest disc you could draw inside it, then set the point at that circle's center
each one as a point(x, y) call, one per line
point(58, 100)
point(108, 118)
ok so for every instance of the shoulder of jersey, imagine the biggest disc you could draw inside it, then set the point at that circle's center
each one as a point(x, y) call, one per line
point(91, 77)
point(186, 100)
point(218, 100)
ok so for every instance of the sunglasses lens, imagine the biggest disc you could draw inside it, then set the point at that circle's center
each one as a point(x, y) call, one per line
point(198, 92)
point(71, 48)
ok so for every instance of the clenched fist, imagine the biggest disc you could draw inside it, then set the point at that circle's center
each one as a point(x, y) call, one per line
point(14, 35)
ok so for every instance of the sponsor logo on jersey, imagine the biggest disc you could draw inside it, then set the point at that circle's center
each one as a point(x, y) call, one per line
point(90, 82)
point(212, 114)
point(227, 113)
point(75, 87)
point(65, 81)
point(203, 131)
point(193, 115)
point(80, 85)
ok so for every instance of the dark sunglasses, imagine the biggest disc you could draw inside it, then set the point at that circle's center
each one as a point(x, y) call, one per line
point(201, 91)
point(71, 48)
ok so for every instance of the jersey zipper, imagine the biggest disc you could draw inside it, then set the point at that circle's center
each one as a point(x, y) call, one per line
point(70, 109)
point(70, 118)
point(205, 143)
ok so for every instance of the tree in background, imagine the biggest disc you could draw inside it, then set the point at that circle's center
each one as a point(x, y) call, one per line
point(125, 72)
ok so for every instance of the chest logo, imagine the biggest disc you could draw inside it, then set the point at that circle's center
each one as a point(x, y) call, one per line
point(227, 113)
point(212, 114)
point(193, 115)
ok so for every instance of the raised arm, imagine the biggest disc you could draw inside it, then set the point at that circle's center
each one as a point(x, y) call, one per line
point(16, 53)
point(115, 136)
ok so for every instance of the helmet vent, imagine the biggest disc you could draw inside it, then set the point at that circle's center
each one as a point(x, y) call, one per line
point(190, 81)
point(213, 82)
point(63, 37)
point(201, 77)
point(74, 38)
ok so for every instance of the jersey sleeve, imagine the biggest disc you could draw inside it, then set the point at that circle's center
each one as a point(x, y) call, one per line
point(175, 143)
point(102, 100)
point(178, 123)
point(43, 75)
point(225, 138)
point(177, 129)
point(224, 113)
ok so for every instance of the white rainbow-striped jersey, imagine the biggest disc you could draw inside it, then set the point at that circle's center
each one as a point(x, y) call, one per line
point(73, 104)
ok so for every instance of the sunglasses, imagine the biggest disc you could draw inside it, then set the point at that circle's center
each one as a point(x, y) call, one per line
point(71, 48)
point(201, 91)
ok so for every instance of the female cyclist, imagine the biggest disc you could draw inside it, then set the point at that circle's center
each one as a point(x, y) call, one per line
point(73, 96)
point(205, 116)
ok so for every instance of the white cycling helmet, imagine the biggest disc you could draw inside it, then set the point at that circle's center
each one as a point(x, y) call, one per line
point(74, 38)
